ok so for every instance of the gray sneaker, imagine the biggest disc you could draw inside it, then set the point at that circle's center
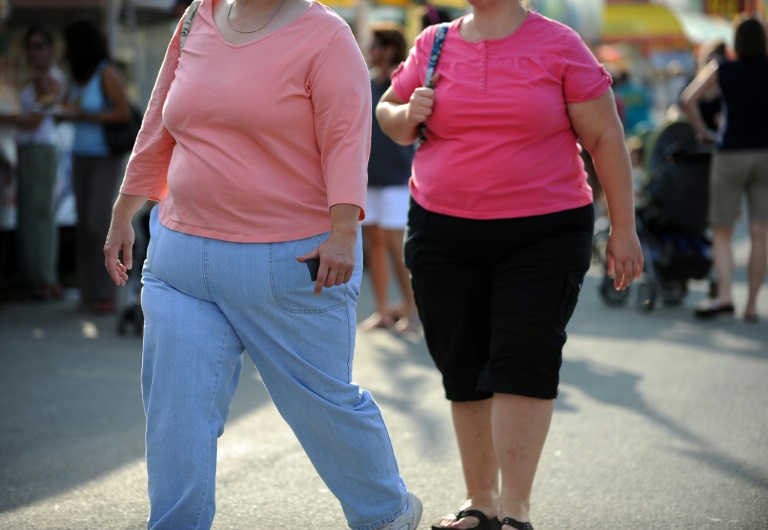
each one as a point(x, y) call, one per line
point(410, 518)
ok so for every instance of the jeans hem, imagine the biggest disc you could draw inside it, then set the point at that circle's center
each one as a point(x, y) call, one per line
point(384, 520)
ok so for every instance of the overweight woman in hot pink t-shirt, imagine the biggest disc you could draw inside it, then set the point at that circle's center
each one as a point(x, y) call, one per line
point(255, 144)
point(500, 229)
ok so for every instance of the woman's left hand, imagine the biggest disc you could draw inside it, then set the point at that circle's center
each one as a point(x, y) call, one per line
point(337, 260)
point(337, 253)
point(624, 257)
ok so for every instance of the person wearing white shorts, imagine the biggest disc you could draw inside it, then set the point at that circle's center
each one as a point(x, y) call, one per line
point(386, 208)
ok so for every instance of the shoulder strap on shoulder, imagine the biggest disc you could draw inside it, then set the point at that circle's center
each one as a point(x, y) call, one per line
point(189, 14)
point(437, 47)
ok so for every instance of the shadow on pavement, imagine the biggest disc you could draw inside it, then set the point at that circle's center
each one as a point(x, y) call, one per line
point(729, 336)
point(70, 401)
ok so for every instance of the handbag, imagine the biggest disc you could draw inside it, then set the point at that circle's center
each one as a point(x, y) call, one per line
point(121, 137)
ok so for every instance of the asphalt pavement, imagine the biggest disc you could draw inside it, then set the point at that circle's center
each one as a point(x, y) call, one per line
point(661, 423)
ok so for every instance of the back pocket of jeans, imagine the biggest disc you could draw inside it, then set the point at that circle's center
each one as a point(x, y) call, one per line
point(292, 289)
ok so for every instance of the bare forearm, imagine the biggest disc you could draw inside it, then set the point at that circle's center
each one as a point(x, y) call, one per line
point(345, 220)
point(30, 122)
point(394, 122)
point(614, 170)
point(126, 207)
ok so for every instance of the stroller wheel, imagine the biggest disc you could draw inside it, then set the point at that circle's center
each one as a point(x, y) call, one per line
point(646, 297)
point(610, 295)
point(673, 292)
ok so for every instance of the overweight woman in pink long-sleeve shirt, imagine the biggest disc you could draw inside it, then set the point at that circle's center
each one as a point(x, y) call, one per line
point(255, 144)
point(500, 229)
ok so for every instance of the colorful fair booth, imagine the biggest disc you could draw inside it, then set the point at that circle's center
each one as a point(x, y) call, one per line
point(659, 25)
point(585, 16)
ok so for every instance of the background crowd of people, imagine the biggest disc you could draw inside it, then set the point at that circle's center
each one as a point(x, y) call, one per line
point(35, 259)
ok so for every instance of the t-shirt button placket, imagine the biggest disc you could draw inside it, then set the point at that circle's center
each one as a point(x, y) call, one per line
point(483, 69)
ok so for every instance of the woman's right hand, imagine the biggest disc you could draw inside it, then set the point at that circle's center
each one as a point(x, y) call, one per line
point(421, 103)
point(119, 238)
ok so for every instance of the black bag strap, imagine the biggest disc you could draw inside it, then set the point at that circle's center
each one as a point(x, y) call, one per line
point(434, 56)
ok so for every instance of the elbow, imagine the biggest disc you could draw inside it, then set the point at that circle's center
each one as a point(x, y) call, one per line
point(689, 98)
point(607, 136)
point(689, 104)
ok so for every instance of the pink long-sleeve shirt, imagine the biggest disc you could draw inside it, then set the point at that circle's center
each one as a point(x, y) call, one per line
point(500, 143)
point(255, 142)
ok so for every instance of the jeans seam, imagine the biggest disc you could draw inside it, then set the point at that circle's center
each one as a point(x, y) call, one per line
point(351, 326)
point(204, 265)
point(151, 256)
point(217, 377)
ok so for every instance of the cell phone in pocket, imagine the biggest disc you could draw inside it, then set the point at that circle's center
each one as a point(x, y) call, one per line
point(313, 265)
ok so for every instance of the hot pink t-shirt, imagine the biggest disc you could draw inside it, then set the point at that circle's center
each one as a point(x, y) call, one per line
point(254, 142)
point(500, 143)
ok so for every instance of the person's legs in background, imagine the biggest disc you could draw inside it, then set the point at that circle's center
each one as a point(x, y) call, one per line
point(726, 188)
point(757, 196)
point(383, 240)
point(406, 315)
point(37, 234)
point(722, 255)
point(758, 261)
point(95, 181)
point(374, 239)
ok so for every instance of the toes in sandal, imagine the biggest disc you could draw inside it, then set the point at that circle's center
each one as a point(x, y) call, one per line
point(516, 524)
point(484, 524)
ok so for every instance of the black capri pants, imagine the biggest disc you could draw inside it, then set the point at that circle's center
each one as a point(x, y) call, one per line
point(494, 297)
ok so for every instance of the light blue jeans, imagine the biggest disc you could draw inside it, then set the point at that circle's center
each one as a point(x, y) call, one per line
point(205, 301)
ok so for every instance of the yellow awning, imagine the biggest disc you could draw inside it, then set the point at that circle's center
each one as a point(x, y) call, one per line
point(653, 23)
point(641, 23)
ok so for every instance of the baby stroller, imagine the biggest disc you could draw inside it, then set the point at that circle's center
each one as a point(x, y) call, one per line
point(671, 222)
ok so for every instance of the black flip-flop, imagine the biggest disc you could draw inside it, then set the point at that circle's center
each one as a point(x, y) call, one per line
point(713, 309)
point(484, 524)
point(516, 524)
